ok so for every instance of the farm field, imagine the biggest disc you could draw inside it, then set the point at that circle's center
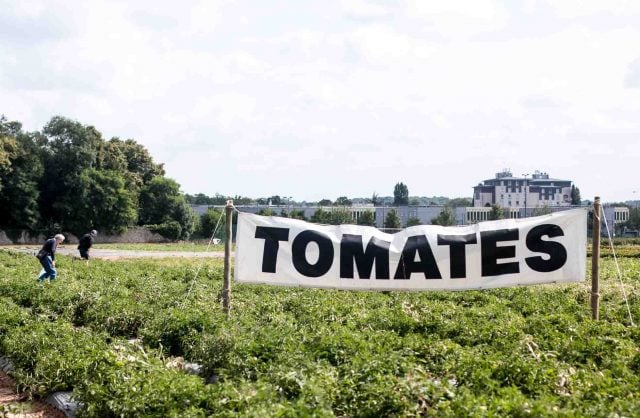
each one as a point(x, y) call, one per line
point(118, 333)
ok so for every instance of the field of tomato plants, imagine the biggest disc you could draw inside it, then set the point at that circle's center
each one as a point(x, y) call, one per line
point(117, 333)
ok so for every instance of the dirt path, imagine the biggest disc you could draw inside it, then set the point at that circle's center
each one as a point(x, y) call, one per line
point(16, 405)
point(117, 254)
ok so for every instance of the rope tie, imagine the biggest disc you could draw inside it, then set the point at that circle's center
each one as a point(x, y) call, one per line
point(615, 258)
point(202, 262)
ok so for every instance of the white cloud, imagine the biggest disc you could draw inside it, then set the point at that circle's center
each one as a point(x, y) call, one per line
point(363, 9)
point(579, 8)
point(342, 99)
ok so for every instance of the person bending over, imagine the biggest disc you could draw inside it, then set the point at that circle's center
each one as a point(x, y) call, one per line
point(85, 243)
point(47, 257)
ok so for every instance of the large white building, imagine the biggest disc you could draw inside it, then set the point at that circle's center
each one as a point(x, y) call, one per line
point(522, 192)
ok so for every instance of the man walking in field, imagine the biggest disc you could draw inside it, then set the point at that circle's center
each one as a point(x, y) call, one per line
point(85, 243)
point(47, 257)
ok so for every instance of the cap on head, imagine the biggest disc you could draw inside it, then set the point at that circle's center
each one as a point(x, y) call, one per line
point(93, 232)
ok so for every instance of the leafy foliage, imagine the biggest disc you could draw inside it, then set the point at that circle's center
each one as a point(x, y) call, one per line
point(69, 178)
point(392, 220)
point(367, 218)
point(531, 351)
point(541, 210)
point(575, 195)
point(162, 204)
point(413, 222)
point(444, 218)
point(400, 194)
point(497, 212)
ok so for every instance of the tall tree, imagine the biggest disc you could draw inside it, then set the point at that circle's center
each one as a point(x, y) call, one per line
point(102, 202)
point(138, 161)
point(19, 208)
point(392, 220)
point(400, 195)
point(575, 195)
point(70, 149)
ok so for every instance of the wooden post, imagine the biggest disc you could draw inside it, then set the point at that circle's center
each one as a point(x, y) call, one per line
point(595, 260)
point(226, 285)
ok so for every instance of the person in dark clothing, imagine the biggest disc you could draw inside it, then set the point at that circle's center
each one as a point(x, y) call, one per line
point(47, 257)
point(85, 243)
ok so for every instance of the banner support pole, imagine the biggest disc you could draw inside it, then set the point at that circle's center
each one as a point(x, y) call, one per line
point(226, 284)
point(595, 260)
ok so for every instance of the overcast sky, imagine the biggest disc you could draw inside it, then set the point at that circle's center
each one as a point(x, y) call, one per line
point(320, 99)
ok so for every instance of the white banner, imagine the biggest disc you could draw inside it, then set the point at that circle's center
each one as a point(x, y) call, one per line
point(510, 252)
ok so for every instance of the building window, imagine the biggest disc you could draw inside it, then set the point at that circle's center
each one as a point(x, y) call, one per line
point(517, 203)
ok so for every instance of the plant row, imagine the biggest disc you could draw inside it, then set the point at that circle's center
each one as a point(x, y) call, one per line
point(294, 352)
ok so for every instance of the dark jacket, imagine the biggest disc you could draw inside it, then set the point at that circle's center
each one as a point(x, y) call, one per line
point(85, 242)
point(48, 249)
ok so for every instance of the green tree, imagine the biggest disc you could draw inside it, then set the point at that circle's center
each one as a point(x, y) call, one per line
point(340, 216)
point(321, 216)
point(19, 178)
point(392, 220)
point(343, 201)
point(374, 199)
point(367, 218)
point(266, 212)
point(575, 195)
point(137, 158)
point(70, 148)
point(8, 151)
point(208, 222)
point(297, 214)
point(400, 195)
point(413, 222)
point(276, 200)
point(444, 218)
point(101, 202)
point(161, 202)
point(496, 212)
point(325, 202)
point(634, 219)
point(460, 202)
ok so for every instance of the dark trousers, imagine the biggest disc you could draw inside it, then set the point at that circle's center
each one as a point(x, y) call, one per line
point(84, 253)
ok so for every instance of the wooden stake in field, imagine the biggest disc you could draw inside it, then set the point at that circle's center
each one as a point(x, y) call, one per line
point(226, 284)
point(595, 260)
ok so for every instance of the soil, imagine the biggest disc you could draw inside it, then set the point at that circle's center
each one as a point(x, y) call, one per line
point(105, 254)
point(18, 405)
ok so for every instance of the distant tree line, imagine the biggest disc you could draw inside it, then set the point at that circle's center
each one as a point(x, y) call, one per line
point(67, 177)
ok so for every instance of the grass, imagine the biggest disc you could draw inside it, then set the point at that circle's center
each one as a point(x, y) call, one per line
point(531, 351)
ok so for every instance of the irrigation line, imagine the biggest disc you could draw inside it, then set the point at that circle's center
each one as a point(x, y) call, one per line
point(615, 258)
point(202, 262)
